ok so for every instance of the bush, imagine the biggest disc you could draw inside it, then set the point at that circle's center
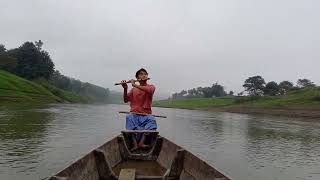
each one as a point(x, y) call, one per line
point(317, 98)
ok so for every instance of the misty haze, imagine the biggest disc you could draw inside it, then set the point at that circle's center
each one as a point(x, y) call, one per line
point(235, 83)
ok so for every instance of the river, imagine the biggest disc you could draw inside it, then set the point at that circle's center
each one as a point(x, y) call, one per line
point(37, 142)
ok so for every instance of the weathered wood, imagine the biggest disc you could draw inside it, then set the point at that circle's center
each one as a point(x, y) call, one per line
point(142, 177)
point(177, 164)
point(142, 114)
point(140, 131)
point(124, 151)
point(104, 170)
point(146, 155)
point(127, 174)
point(157, 148)
point(58, 178)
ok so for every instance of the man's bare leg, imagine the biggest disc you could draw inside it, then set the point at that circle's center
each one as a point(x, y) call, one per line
point(134, 141)
point(141, 143)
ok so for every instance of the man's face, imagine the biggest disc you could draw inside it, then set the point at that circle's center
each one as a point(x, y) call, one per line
point(142, 75)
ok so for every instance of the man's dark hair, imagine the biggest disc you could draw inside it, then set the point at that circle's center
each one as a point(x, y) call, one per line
point(140, 70)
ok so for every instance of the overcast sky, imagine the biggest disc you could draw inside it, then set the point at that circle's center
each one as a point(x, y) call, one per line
point(183, 44)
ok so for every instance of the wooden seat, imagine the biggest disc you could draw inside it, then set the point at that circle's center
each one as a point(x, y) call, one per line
point(139, 131)
point(127, 174)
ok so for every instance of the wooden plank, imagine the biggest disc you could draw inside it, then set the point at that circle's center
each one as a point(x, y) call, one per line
point(127, 174)
point(140, 131)
point(104, 169)
point(142, 177)
point(177, 164)
point(58, 178)
point(142, 114)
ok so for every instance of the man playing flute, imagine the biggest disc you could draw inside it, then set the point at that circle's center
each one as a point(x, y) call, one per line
point(140, 98)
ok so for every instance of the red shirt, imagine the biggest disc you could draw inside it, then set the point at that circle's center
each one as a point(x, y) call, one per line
point(141, 100)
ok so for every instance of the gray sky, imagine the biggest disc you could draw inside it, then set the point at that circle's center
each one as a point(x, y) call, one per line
point(183, 44)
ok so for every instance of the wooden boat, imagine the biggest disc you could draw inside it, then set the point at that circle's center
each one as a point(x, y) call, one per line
point(164, 160)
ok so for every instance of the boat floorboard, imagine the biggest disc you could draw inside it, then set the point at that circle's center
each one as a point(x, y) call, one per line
point(145, 168)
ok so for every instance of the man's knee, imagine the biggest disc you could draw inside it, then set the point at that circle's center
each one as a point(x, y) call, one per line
point(130, 122)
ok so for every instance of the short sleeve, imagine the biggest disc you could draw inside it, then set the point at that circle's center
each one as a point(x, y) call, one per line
point(150, 89)
point(130, 94)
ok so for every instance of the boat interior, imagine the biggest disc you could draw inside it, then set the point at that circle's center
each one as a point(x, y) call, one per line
point(161, 160)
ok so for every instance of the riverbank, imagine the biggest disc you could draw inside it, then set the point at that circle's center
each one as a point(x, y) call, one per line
point(288, 112)
point(16, 91)
point(300, 103)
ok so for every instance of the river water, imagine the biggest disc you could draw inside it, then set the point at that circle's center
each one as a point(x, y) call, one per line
point(37, 142)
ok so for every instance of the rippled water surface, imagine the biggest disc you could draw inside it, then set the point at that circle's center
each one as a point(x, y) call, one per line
point(37, 142)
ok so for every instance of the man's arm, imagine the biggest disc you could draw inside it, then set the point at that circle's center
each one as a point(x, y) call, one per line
point(125, 91)
point(125, 95)
point(149, 90)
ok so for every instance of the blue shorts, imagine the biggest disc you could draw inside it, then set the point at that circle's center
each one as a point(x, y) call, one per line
point(140, 122)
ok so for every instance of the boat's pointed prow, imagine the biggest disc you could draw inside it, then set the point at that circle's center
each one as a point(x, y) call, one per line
point(163, 160)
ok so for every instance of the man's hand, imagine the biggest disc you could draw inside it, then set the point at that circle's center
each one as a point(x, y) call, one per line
point(124, 84)
point(132, 81)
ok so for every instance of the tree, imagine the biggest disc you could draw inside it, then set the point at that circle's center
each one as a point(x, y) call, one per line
point(254, 85)
point(2, 49)
point(304, 83)
point(285, 86)
point(199, 92)
point(7, 63)
point(240, 93)
point(217, 90)
point(32, 62)
point(192, 92)
point(182, 93)
point(38, 44)
point(272, 89)
point(207, 92)
point(231, 93)
point(175, 96)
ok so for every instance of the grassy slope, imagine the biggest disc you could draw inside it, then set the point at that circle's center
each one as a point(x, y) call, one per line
point(305, 98)
point(14, 89)
point(66, 95)
point(195, 103)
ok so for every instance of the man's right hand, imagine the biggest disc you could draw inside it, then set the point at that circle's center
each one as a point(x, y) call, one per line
point(124, 84)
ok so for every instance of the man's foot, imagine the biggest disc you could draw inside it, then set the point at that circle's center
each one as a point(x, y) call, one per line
point(143, 146)
point(134, 148)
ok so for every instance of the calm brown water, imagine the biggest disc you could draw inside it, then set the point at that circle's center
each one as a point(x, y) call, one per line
point(37, 142)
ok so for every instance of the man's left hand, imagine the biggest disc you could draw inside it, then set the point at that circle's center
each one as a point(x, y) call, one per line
point(132, 81)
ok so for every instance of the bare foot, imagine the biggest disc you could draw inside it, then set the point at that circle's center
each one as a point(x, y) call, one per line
point(143, 146)
point(134, 148)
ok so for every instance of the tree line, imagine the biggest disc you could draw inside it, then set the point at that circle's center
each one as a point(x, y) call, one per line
point(31, 62)
point(216, 90)
point(253, 86)
point(256, 86)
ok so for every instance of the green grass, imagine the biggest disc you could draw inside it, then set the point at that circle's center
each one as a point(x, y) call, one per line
point(195, 103)
point(15, 90)
point(66, 95)
point(304, 98)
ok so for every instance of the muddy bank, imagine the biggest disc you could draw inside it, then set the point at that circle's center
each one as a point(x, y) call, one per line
point(289, 112)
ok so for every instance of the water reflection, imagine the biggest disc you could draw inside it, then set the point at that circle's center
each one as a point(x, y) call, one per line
point(287, 146)
point(23, 132)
